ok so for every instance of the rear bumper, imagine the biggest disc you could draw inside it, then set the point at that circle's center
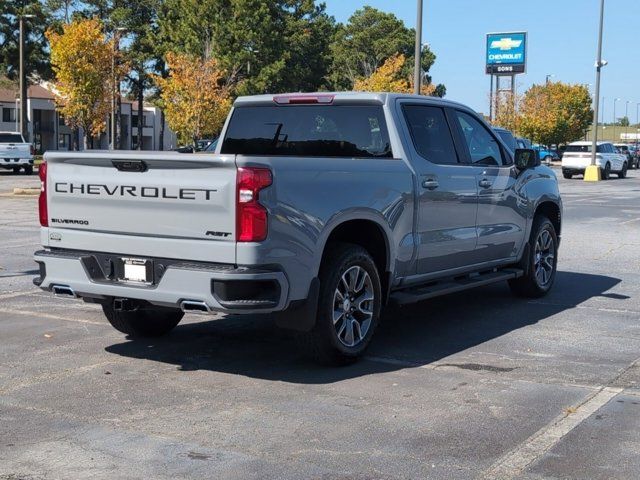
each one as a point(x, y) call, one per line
point(11, 162)
point(180, 284)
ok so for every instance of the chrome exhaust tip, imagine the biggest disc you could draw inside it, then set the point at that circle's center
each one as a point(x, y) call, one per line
point(63, 291)
point(194, 306)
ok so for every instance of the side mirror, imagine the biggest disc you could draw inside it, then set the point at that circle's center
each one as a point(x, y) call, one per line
point(526, 158)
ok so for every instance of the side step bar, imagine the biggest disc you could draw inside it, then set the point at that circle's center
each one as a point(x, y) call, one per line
point(457, 284)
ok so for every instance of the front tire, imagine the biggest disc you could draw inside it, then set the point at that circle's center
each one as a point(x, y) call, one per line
point(623, 173)
point(28, 170)
point(143, 322)
point(567, 175)
point(541, 261)
point(348, 305)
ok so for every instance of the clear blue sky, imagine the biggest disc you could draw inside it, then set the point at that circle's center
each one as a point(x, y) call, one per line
point(562, 41)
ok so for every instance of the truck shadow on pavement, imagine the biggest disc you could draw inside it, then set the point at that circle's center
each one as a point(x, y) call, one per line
point(417, 335)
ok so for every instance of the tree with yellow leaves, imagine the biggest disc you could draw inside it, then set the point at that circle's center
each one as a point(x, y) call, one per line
point(555, 113)
point(391, 77)
point(82, 60)
point(194, 96)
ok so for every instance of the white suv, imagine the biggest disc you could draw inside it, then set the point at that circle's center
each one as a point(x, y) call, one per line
point(577, 157)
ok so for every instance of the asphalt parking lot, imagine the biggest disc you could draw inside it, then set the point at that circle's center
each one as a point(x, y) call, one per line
point(474, 385)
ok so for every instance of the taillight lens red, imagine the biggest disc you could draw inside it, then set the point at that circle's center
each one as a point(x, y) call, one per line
point(32, 150)
point(42, 201)
point(251, 217)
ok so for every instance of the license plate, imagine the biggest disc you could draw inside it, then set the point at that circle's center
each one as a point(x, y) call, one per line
point(137, 270)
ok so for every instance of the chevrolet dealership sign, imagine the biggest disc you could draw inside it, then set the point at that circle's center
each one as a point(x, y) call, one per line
point(506, 53)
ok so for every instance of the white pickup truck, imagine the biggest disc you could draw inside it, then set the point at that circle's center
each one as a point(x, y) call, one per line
point(15, 153)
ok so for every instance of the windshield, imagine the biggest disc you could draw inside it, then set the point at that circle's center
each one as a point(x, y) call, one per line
point(212, 146)
point(11, 138)
point(308, 131)
point(507, 138)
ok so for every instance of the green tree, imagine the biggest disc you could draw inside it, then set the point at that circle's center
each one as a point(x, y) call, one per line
point(366, 41)
point(36, 55)
point(263, 45)
point(624, 121)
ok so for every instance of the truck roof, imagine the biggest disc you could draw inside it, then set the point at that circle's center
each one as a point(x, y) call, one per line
point(341, 97)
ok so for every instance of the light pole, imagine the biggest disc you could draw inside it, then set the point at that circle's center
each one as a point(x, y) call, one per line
point(547, 77)
point(626, 116)
point(417, 67)
point(114, 93)
point(23, 80)
point(592, 172)
point(614, 118)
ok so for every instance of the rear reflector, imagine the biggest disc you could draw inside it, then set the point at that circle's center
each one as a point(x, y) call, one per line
point(251, 217)
point(42, 200)
point(303, 99)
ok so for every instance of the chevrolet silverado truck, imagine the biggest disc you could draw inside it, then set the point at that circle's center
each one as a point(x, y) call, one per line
point(15, 153)
point(317, 208)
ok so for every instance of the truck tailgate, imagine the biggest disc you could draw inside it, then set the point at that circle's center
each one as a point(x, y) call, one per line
point(155, 204)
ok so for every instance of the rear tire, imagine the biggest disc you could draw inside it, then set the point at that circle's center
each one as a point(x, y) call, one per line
point(16, 170)
point(28, 170)
point(623, 173)
point(606, 173)
point(567, 175)
point(541, 261)
point(143, 322)
point(349, 305)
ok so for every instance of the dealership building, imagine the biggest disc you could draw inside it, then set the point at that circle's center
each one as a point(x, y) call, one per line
point(47, 130)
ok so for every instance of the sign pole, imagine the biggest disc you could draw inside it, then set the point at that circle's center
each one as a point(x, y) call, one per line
point(491, 98)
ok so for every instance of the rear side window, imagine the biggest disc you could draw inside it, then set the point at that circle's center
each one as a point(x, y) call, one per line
point(308, 131)
point(430, 133)
point(10, 138)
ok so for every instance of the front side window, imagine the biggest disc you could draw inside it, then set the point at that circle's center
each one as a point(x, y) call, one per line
point(430, 133)
point(308, 131)
point(482, 146)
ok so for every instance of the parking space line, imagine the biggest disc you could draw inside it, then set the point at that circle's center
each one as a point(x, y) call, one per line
point(5, 296)
point(516, 461)
point(48, 315)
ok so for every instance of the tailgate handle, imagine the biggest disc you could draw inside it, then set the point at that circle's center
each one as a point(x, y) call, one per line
point(130, 165)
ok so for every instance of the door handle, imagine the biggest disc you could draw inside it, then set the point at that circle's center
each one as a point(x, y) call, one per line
point(485, 183)
point(430, 184)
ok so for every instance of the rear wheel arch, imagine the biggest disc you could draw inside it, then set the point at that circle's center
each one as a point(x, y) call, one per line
point(369, 235)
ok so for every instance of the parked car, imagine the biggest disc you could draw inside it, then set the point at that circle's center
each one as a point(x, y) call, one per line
point(632, 159)
point(523, 143)
point(507, 137)
point(318, 208)
point(577, 157)
point(547, 154)
point(15, 153)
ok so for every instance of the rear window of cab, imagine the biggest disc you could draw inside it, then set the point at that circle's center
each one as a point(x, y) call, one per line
point(352, 131)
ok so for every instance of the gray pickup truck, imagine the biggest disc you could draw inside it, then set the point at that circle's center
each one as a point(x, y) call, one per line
point(317, 208)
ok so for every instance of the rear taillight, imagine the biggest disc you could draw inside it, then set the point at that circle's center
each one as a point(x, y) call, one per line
point(42, 201)
point(251, 217)
point(32, 150)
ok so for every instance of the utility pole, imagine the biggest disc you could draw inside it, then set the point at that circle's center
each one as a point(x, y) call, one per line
point(417, 67)
point(615, 121)
point(592, 172)
point(626, 116)
point(24, 130)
